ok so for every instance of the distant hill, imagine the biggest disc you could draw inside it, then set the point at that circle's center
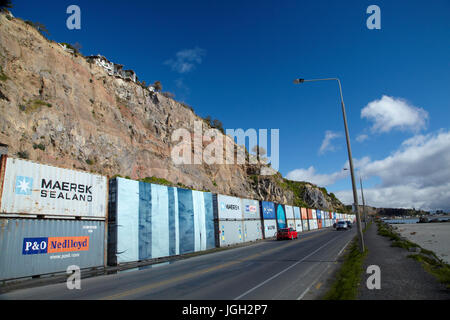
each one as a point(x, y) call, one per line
point(391, 211)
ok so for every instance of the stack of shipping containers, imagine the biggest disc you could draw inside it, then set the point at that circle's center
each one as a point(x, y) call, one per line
point(312, 219)
point(230, 220)
point(298, 220)
point(319, 219)
point(305, 223)
point(148, 221)
point(252, 225)
point(281, 216)
point(290, 219)
point(50, 218)
point(324, 219)
point(269, 219)
point(314, 215)
point(330, 219)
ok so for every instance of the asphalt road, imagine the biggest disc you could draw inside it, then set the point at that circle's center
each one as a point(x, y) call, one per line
point(267, 270)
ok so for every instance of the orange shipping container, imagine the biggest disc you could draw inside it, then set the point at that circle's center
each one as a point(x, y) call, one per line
point(304, 214)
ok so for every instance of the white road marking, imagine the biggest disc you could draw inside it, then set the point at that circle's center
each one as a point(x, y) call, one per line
point(283, 271)
point(307, 289)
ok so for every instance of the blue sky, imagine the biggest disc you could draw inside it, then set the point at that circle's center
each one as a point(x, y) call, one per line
point(245, 55)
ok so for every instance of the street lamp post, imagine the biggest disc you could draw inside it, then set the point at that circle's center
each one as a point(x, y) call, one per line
point(350, 160)
point(364, 203)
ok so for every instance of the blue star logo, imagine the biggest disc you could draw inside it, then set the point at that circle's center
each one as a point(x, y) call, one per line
point(24, 185)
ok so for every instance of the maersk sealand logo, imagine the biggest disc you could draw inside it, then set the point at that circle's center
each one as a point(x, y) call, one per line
point(24, 185)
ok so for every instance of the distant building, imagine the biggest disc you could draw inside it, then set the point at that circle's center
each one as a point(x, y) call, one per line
point(113, 69)
point(66, 48)
point(104, 63)
point(129, 75)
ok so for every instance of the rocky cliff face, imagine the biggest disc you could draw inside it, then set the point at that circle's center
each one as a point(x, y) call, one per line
point(60, 109)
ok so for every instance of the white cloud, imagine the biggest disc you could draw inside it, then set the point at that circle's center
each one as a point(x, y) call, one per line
point(422, 160)
point(326, 143)
point(417, 175)
point(186, 60)
point(402, 196)
point(362, 137)
point(310, 175)
point(323, 180)
point(393, 113)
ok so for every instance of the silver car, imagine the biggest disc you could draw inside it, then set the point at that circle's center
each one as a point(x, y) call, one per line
point(341, 225)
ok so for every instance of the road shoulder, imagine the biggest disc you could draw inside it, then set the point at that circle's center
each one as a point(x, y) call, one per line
point(402, 278)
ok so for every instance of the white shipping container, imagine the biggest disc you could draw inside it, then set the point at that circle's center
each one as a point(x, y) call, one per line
point(291, 223)
point(289, 212)
point(298, 225)
point(30, 188)
point(229, 207)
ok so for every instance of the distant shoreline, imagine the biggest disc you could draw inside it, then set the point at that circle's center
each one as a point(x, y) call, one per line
point(441, 219)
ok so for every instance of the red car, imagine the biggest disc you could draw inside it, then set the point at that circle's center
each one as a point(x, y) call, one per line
point(287, 233)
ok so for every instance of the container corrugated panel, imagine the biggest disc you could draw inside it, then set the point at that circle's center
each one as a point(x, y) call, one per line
point(229, 207)
point(156, 221)
point(289, 212)
point(297, 214)
point(30, 188)
point(304, 213)
point(32, 247)
point(305, 225)
point(291, 223)
point(298, 225)
point(312, 224)
point(330, 215)
point(230, 232)
point(314, 214)
point(268, 210)
point(319, 214)
point(270, 228)
point(281, 216)
point(310, 215)
point(250, 209)
point(252, 230)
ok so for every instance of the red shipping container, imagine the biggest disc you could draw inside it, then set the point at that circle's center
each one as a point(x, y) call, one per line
point(310, 215)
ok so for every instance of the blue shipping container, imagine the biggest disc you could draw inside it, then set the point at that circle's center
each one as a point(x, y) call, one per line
point(268, 210)
point(150, 221)
point(297, 213)
point(281, 217)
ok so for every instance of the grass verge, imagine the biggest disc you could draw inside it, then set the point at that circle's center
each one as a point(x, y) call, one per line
point(345, 287)
point(436, 267)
